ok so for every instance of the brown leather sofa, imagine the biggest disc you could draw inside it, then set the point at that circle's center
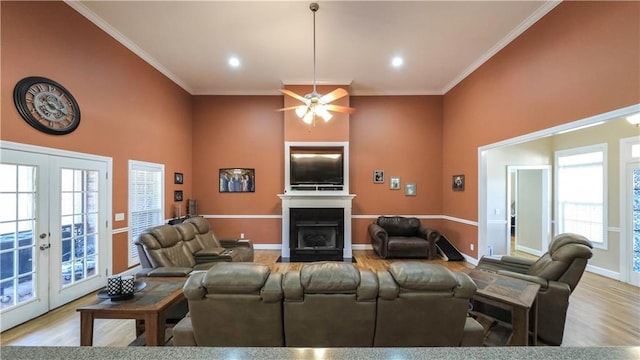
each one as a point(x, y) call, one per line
point(425, 305)
point(402, 237)
point(232, 304)
point(328, 304)
point(176, 250)
point(558, 272)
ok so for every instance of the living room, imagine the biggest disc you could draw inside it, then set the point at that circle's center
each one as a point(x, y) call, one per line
point(579, 60)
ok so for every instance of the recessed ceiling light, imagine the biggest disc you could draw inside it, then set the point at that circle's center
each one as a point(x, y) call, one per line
point(234, 62)
point(397, 61)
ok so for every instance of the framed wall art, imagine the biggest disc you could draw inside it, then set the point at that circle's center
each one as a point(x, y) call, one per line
point(394, 183)
point(457, 183)
point(378, 176)
point(237, 180)
point(410, 189)
point(177, 195)
point(178, 178)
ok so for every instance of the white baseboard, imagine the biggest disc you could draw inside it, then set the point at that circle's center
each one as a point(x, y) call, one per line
point(604, 272)
point(267, 246)
point(361, 247)
point(528, 250)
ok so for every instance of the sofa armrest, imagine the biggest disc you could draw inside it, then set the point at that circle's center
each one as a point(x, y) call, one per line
point(231, 243)
point(428, 233)
point(183, 334)
point(170, 271)
point(377, 232)
point(530, 278)
point(510, 263)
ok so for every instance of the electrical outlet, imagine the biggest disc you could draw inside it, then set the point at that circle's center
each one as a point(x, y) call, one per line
point(471, 247)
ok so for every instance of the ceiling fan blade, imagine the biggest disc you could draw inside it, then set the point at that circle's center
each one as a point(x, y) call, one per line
point(334, 95)
point(293, 95)
point(341, 109)
point(292, 108)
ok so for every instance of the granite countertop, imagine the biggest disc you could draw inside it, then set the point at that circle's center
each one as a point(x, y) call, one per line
point(177, 353)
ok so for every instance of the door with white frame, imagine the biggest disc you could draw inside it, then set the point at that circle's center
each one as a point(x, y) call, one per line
point(630, 209)
point(54, 233)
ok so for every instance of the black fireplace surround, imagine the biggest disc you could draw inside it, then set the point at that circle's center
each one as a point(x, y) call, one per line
point(316, 234)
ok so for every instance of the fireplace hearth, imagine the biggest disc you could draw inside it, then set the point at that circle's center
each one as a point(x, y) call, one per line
point(316, 234)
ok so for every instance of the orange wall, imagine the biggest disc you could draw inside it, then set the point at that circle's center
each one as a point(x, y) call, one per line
point(581, 59)
point(336, 129)
point(239, 132)
point(128, 109)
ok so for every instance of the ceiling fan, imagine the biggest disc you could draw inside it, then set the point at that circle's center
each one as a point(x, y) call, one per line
point(314, 103)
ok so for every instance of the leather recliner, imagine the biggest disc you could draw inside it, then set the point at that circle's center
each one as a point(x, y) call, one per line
point(163, 253)
point(329, 304)
point(234, 305)
point(208, 240)
point(558, 272)
point(402, 237)
point(425, 305)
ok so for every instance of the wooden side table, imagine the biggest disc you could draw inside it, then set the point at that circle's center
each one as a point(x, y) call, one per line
point(150, 304)
point(514, 295)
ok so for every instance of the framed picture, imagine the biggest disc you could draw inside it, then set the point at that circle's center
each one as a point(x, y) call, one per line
point(177, 195)
point(178, 178)
point(410, 189)
point(457, 183)
point(237, 180)
point(394, 183)
point(378, 176)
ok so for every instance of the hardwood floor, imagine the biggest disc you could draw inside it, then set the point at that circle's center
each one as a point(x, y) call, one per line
point(603, 312)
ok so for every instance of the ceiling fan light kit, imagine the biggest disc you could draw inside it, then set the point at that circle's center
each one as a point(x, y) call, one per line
point(315, 104)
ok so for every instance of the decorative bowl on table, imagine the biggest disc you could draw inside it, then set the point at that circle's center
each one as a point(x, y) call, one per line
point(104, 293)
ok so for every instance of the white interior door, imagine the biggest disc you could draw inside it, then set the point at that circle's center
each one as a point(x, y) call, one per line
point(24, 229)
point(53, 230)
point(78, 223)
point(633, 225)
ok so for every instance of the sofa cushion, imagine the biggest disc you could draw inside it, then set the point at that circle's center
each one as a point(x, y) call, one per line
point(329, 277)
point(236, 278)
point(399, 225)
point(421, 276)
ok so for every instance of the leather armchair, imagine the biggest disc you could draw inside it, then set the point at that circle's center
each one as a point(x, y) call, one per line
point(425, 305)
point(163, 253)
point(402, 237)
point(234, 305)
point(558, 272)
point(243, 249)
point(329, 304)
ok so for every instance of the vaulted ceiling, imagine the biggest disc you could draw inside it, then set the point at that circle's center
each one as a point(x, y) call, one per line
point(191, 42)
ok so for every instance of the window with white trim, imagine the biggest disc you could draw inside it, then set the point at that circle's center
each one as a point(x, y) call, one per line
point(581, 192)
point(146, 201)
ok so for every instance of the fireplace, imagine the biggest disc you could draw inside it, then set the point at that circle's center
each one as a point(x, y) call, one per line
point(316, 234)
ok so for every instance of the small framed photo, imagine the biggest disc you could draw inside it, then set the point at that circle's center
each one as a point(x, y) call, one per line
point(237, 180)
point(177, 195)
point(394, 183)
point(457, 183)
point(378, 176)
point(178, 178)
point(410, 189)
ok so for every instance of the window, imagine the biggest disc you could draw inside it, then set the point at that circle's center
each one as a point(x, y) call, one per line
point(146, 201)
point(581, 203)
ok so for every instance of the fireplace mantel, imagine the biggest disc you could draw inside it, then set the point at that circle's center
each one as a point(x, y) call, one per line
point(316, 200)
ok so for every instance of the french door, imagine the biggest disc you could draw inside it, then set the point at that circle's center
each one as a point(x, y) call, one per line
point(53, 231)
point(630, 210)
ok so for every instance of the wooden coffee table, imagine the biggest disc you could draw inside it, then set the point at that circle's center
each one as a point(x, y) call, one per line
point(149, 305)
point(515, 295)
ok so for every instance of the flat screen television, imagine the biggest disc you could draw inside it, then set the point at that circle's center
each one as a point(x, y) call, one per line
point(316, 166)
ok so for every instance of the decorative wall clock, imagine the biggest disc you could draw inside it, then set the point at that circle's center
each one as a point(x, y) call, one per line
point(46, 105)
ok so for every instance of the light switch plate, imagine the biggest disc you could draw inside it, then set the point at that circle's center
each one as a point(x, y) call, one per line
point(119, 216)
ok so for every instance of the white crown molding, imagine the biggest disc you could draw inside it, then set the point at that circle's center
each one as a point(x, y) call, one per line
point(526, 24)
point(99, 22)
